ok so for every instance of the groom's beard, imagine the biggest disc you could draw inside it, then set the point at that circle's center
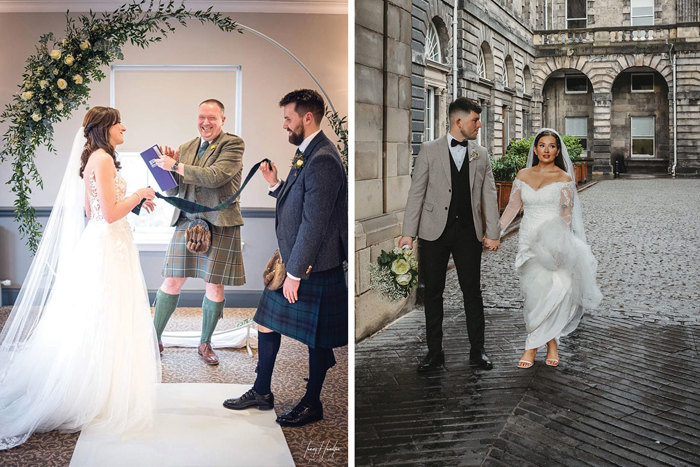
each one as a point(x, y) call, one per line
point(297, 138)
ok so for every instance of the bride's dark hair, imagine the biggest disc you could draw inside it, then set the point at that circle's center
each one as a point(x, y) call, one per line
point(97, 122)
point(559, 160)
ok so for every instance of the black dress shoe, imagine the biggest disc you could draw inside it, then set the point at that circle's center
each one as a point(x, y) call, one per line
point(301, 415)
point(432, 362)
point(251, 399)
point(481, 360)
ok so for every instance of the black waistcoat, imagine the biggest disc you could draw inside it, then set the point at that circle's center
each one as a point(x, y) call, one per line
point(461, 203)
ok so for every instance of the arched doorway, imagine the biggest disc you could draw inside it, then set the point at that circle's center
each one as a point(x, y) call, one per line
point(567, 105)
point(639, 126)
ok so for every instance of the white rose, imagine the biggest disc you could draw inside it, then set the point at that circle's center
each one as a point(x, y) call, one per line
point(69, 60)
point(26, 95)
point(78, 79)
point(85, 45)
point(43, 83)
point(36, 117)
point(55, 72)
point(400, 266)
point(59, 106)
point(55, 54)
point(403, 279)
point(61, 83)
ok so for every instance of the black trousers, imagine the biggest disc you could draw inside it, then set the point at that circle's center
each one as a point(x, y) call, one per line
point(459, 240)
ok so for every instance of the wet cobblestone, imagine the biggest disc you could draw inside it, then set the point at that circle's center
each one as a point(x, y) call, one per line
point(626, 390)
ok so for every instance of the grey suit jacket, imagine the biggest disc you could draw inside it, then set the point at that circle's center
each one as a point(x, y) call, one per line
point(430, 193)
point(212, 179)
point(311, 213)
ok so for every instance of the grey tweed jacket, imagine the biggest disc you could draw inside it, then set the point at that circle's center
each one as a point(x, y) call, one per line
point(311, 215)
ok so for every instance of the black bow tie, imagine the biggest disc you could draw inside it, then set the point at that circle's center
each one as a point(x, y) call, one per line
point(454, 143)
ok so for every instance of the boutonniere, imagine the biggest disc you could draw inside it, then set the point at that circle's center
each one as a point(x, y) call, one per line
point(474, 155)
point(298, 161)
point(212, 147)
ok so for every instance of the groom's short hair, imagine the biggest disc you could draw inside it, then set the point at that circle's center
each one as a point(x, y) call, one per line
point(305, 100)
point(462, 104)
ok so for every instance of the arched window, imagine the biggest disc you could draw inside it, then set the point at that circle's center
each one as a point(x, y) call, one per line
point(481, 65)
point(432, 44)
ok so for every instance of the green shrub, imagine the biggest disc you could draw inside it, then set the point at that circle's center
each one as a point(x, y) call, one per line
point(506, 168)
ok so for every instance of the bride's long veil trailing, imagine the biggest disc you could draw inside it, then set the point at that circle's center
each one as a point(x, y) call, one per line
point(576, 214)
point(59, 239)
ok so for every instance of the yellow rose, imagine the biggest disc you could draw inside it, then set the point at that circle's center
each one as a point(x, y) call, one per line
point(36, 117)
point(299, 163)
point(62, 84)
point(59, 106)
point(55, 54)
point(85, 45)
point(78, 79)
point(400, 266)
point(26, 95)
point(43, 83)
point(403, 279)
point(69, 60)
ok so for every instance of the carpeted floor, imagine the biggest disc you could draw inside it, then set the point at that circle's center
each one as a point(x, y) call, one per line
point(322, 443)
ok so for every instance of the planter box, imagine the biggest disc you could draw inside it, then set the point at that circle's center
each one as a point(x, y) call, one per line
point(578, 172)
point(503, 192)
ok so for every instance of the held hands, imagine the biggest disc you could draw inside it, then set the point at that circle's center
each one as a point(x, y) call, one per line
point(492, 245)
point(170, 156)
point(269, 171)
point(148, 194)
point(290, 289)
point(406, 241)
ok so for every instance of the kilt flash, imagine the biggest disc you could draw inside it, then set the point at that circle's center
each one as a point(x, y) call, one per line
point(318, 319)
point(222, 264)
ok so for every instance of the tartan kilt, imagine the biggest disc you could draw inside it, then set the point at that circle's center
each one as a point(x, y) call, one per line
point(222, 264)
point(318, 319)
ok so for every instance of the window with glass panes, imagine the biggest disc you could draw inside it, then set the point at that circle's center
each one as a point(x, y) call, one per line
point(575, 14)
point(642, 12)
point(642, 136)
point(642, 82)
point(578, 127)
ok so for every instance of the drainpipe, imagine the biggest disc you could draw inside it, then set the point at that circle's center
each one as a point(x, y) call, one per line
point(546, 13)
point(675, 105)
point(454, 51)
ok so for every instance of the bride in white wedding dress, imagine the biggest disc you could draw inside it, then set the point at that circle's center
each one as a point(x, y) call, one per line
point(555, 264)
point(79, 346)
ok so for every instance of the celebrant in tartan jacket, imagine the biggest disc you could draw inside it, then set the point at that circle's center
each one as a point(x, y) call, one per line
point(208, 170)
point(311, 222)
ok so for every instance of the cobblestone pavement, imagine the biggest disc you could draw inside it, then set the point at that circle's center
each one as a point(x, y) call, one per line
point(626, 391)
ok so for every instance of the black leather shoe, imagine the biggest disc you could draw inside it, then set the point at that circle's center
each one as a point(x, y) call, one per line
point(301, 415)
point(432, 362)
point(481, 360)
point(251, 399)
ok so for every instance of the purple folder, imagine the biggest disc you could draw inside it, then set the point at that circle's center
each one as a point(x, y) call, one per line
point(165, 179)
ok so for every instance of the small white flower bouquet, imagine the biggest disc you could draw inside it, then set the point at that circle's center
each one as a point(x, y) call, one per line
point(394, 274)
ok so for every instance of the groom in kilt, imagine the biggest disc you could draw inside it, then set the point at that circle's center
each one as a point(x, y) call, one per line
point(208, 169)
point(311, 223)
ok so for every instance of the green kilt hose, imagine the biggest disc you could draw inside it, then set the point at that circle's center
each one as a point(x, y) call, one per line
point(222, 264)
point(319, 318)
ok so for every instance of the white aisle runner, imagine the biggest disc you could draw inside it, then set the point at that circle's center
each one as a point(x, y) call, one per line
point(191, 428)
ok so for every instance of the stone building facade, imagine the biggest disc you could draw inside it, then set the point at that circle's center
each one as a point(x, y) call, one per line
point(611, 72)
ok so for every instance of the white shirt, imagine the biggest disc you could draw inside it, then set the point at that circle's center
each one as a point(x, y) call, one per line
point(458, 153)
point(302, 147)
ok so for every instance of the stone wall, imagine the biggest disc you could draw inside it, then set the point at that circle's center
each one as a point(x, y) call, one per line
point(382, 151)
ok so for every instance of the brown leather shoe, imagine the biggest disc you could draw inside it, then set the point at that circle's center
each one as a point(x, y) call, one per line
point(208, 354)
point(160, 347)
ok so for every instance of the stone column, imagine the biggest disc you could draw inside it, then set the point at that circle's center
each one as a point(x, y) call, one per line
point(602, 103)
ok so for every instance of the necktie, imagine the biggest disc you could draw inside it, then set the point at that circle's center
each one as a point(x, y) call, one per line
point(298, 153)
point(454, 143)
point(202, 149)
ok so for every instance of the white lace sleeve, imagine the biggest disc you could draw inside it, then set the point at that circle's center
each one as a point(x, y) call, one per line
point(515, 204)
point(567, 203)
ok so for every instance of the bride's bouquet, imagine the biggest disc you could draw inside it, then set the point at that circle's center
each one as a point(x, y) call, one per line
point(394, 274)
